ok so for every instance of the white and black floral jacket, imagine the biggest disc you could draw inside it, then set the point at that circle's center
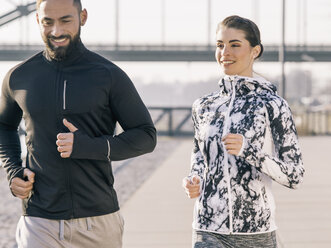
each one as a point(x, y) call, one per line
point(236, 192)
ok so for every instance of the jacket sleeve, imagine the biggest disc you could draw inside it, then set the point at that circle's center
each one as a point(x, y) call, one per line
point(285, 166)
point(10, 147)
point(197, 159)
point(139, 134)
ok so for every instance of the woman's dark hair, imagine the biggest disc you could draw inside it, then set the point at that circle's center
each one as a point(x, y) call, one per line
point(252, 32)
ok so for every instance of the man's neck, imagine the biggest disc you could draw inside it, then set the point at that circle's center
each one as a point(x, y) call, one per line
point(74, 51)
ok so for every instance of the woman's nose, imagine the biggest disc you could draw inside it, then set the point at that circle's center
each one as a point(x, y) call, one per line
point(225, 50)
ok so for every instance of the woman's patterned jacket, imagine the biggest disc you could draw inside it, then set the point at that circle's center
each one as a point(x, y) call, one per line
point(236, 192)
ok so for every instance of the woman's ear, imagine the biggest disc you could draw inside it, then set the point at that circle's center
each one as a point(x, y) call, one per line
point(256, 51)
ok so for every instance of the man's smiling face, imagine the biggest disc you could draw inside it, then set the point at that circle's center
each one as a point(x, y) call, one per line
point(59, 22)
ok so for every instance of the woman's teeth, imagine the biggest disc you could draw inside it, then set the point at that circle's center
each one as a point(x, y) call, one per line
point(227, 62)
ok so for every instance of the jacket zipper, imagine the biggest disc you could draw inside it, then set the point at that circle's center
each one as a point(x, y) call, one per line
point(226, 159)
point(69, 177)
point(64, 94)
point(108, 154)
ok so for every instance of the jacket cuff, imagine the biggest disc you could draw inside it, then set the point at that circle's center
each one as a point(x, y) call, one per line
point(191, 176)
point(85, 147)
point(19, 173)
point(242, 146)
point(252, 154)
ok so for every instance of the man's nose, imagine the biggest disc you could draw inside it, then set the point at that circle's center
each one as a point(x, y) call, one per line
point(57, 30)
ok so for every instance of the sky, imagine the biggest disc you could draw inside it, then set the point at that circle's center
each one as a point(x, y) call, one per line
point(186, 22)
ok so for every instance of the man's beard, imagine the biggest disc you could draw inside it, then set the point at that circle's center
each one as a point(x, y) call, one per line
point(62, 52)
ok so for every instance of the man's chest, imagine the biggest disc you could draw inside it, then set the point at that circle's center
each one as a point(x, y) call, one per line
point(61, 92)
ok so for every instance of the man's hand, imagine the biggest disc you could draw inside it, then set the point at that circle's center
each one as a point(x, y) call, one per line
point(21, 188)
point(192, 188)
point(65, 141)
point(233, 143)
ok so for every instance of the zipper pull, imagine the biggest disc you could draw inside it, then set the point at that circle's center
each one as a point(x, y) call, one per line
point(64, 94)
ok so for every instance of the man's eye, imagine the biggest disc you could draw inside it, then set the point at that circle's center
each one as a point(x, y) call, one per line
point(47, 23)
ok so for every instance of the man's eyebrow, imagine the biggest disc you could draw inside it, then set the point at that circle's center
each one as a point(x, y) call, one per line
point(66, 17)
point(47, 19)
point(61, 18)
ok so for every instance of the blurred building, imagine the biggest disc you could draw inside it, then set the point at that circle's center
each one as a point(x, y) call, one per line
point(299, 84)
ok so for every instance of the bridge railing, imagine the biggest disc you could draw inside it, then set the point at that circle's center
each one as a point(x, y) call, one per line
point(313, 122)
point(167, 47)
point(176, 121)
point(172, 121)
point(184, 52)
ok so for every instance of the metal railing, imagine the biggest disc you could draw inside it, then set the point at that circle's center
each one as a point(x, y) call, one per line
point(176, 121)
point(313, 122)
point(172, 121)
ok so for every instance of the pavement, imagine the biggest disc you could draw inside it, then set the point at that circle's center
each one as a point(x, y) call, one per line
point(159, 214)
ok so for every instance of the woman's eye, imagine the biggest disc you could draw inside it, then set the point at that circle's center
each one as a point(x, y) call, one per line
point(235, 45)
point(219, 45)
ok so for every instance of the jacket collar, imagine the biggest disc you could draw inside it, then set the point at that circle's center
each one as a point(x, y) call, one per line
point(75, 54)
point(245, 85)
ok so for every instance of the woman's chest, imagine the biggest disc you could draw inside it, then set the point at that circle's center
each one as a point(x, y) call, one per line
point(222, 117)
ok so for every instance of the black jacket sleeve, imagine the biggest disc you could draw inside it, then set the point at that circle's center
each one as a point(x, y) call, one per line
point(10, 147)
point(139, 135)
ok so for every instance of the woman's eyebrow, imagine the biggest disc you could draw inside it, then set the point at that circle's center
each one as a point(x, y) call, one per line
point(230, 41)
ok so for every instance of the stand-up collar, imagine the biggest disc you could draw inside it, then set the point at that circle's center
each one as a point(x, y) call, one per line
point(74, 54)
point(244, 85)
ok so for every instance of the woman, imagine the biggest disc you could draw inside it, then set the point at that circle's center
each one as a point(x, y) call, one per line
point(245, 137)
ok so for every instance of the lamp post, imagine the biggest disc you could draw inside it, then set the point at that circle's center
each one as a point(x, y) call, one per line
point(208, 22)
point(117, 24)
point(282, 58)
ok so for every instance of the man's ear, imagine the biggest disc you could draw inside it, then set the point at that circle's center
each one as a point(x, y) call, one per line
point(37, 17)
point(83, 17)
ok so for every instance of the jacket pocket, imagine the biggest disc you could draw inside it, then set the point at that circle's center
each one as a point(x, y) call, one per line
point(82, 97)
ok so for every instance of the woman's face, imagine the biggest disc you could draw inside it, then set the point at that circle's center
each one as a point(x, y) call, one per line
point(234, 53)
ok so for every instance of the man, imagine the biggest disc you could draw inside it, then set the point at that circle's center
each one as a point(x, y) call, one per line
point(70, 99)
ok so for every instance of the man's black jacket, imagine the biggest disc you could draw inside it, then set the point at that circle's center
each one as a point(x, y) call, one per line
point(93, 94)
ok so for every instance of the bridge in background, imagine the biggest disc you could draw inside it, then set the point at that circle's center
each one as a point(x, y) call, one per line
point(163, 52)
point(18, 12)
point(175, 52)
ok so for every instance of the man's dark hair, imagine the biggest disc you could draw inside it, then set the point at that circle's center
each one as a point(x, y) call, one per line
point(77, 3)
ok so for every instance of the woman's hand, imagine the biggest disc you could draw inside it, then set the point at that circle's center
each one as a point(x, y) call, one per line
point(192, 188)
point(233, 143)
